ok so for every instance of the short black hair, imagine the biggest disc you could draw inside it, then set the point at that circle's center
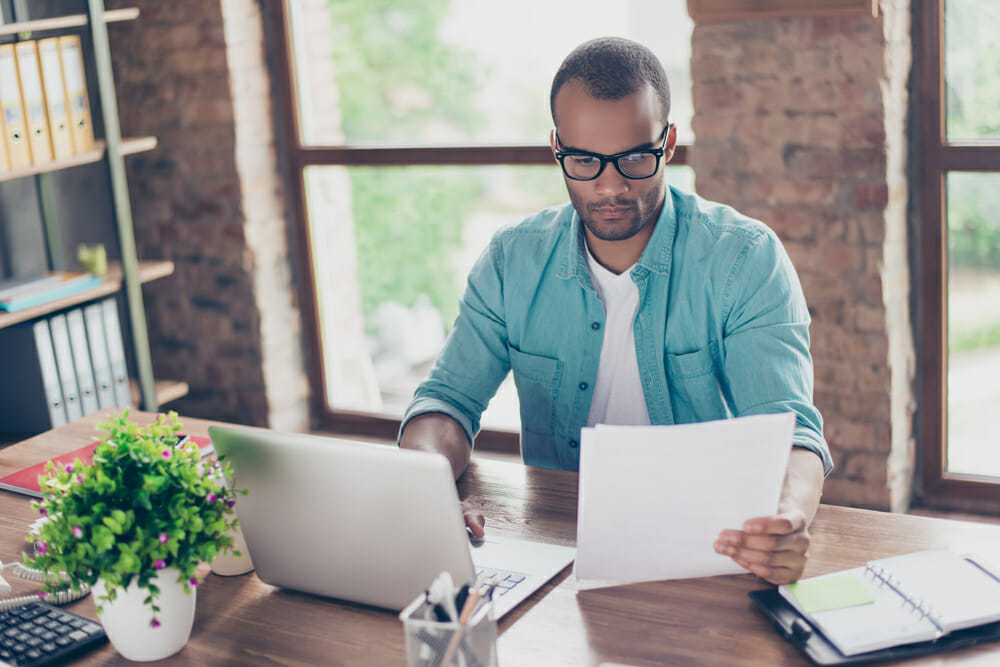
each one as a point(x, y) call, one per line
point(612, 68)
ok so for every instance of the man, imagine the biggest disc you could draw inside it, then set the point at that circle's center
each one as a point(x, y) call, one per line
point(636, 304)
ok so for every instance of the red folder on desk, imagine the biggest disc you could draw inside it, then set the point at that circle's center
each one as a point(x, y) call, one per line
point(26, 481)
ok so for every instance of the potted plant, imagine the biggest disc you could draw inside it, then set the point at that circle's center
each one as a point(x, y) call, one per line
point(134, 524)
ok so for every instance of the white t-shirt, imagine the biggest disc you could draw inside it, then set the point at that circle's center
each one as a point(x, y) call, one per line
point(618, 397)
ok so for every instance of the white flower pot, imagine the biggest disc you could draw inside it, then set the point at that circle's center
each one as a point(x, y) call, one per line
point(126, 620)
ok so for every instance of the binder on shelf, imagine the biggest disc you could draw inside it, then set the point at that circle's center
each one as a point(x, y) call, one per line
point(71, 57)
point(116, 353)
point(15, 124)
point(895, 607)
point(34, 402)
point(64, 362)
point(93, 316)
point(55, 98)
point(33, 98)
point(81, 361)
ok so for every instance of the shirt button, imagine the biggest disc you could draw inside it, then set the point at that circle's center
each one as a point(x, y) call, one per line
point(583, 386)
point(574, 444)
point(595, 325)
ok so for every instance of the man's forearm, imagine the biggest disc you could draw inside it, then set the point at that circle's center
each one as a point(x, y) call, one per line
point(803, 483)
point(437, 432)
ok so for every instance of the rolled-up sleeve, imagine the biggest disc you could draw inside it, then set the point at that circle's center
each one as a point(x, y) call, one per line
point(474, 359)
point(765, 350)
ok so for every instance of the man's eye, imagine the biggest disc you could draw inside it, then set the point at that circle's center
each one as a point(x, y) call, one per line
point(583, 160)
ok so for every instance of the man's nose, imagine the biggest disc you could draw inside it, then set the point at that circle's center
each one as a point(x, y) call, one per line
point(610, 183)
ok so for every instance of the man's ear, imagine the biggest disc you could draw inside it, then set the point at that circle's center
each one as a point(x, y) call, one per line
point(668, 149)
point(552, 143)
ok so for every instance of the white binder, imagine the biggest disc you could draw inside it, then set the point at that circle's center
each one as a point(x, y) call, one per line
point(81, 360)
point(49, 373)
point(67, 370)
point(116, 353)
point(93, 317)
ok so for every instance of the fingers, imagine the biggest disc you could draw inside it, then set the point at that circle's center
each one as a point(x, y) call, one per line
point(783, 524)
point(475, 521)
point(773, 548)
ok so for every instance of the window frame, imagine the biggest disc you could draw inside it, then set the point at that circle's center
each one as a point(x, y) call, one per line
point(938, 157)
point(299, 156)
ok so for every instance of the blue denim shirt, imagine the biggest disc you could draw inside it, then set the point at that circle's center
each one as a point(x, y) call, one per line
point(722, 329)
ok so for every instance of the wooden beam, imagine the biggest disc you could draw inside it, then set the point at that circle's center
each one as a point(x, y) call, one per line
point(742, 10)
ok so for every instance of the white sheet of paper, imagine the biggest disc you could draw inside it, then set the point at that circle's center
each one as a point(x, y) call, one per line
point(653, 499)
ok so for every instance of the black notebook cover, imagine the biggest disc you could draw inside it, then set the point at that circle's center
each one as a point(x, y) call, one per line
point(797, 630)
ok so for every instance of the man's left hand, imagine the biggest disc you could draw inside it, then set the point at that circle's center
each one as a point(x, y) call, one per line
point(773, 548)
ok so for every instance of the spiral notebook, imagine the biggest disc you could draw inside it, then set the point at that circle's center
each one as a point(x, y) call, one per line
point(916, 597)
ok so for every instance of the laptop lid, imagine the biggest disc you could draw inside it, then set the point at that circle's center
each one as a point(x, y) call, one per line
point(363, 522)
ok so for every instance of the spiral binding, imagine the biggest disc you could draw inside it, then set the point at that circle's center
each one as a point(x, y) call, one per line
point(64, 596)
point(917, 605)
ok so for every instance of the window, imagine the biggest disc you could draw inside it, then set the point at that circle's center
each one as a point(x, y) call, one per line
point(959, 262)
point(420, 129)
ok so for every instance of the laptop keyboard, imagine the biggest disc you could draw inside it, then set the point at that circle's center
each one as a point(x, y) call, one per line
point(38, 634)
point(503, 580)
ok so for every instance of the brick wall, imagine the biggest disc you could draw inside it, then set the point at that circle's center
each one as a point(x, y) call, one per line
point(802, 123)
point(194, 74)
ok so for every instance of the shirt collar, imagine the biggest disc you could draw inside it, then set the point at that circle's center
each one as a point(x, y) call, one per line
point(655, 257)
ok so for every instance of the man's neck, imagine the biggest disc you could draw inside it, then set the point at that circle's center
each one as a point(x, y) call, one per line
point(619, 256)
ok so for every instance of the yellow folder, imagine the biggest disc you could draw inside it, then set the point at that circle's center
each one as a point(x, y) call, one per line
point(33, 98)
point(55, 98)
point(76, 93)
point(15, 127)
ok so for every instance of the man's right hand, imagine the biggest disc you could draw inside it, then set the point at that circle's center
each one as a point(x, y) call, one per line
point(437, 432)
point(474, 520)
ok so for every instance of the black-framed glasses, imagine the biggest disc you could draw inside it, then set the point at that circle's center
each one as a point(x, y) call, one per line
point(634, 164)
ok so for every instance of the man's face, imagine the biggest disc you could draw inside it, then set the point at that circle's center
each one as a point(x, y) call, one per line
point(613, 207)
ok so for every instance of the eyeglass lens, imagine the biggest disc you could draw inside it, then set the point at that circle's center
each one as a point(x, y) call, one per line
point(634, 165)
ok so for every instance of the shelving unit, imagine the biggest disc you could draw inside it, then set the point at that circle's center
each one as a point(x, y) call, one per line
point(127, 276)
point(128, 147)
point(111, 283)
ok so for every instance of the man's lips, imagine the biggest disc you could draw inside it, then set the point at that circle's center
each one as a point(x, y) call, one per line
point(612, 212)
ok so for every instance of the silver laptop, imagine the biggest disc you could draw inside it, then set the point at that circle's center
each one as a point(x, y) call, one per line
point(364, 522)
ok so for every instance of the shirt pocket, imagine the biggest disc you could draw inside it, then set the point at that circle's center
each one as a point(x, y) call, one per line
point(537, 381)
point(696, 391)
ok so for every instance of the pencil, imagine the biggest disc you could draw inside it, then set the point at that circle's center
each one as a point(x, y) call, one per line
point(463, 619)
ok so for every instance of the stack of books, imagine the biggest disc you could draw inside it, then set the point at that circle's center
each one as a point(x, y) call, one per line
point(24, 293)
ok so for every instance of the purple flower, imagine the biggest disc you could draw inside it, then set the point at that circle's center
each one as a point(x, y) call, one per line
point(211, 497)
point(77, 532)
point(164, 538)
point(154, 623)
point(193, 582)
point(41, 548)
point(69, 467)
point(42, 594)
point(158, 564)
point(166, 453)
point(79, 478)
point(230, 503)
point(43, 511)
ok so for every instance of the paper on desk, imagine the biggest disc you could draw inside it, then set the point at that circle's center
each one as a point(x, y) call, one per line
point(653, 499)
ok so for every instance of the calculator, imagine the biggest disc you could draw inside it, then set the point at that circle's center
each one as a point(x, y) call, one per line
point(39, 634)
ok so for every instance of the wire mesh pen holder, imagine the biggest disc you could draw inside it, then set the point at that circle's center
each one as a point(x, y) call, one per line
point(432, 643)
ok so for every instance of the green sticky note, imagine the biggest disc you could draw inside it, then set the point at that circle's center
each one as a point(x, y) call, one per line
point(834, 592)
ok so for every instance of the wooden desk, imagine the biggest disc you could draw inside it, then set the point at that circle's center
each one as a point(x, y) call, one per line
point(241, 621)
